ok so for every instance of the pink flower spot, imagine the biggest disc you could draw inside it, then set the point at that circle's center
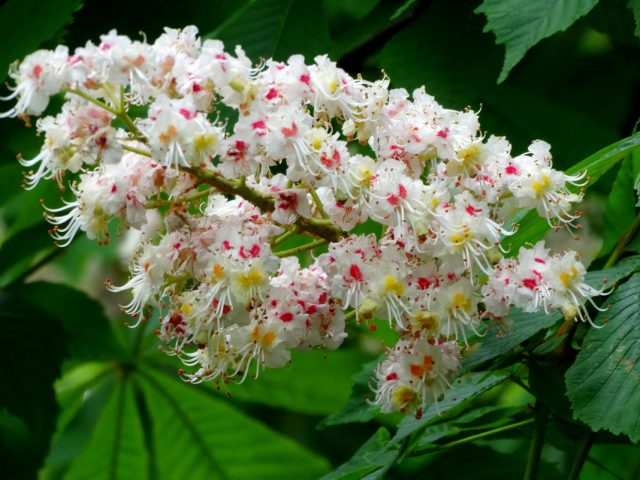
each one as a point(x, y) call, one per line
point(271, 94)
point(443, 133)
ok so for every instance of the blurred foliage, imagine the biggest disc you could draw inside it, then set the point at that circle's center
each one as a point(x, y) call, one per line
point(564, 71)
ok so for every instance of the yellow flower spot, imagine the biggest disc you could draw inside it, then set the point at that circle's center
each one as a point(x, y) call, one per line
point(540, 186)
point(392, 285)
point(460, 300)
point(204, 142)
point(265, 340)
point(403, 396)
point(470, 154)
point(568, 277)
point(253, 278)
point(425, 321)
point(186, 308)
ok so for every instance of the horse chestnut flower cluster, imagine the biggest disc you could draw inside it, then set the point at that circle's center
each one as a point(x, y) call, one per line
point(223, 161)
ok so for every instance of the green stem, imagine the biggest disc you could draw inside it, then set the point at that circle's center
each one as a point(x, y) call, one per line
point(126, 119)
point(477, 436)
point(318, 203)
point(583, 453)
point(185, 199)
point(348, 316)
point(537, 441)
point(300, 249)
point(281, 238)
point(139, 151)
point(623, 242)
point(95, 101)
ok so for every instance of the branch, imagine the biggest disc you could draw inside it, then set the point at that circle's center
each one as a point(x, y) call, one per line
point(320, 228)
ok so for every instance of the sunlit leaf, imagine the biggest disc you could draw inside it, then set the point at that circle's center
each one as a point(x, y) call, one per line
point(198, 435)
point(116, 449)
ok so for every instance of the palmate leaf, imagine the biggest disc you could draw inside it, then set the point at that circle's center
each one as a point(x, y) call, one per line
point(156, 426)
point(116, 450)
point(602, 384)
point(520, 24)
point(197, 435)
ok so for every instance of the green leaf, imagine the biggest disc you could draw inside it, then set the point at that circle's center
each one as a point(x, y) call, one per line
point(23, 250)
point(634, 5)
point(276, 28)
point(197, 435)
point(311, 385)
point(348, 33)
point(609, 276)
point(403, 8)
point(357, 409)
point(30, 360)
point(533, 227)
point(526, 325)
point(619, 211)
point(520, 24)
point(116, 449)
point(27, 24)
point(88, 332)
point(464, 388)
point(602, 384)
point(373, 455)
point(495, 343)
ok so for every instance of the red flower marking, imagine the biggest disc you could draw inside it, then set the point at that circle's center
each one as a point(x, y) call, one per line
point(286, 317)
point(290, 132)
point(355, 272)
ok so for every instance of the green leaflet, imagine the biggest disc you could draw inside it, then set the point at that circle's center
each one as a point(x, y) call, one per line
point(198, 435)
point(116, 449)
point(520, 24)
point(602, 384)
point(464, 388)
